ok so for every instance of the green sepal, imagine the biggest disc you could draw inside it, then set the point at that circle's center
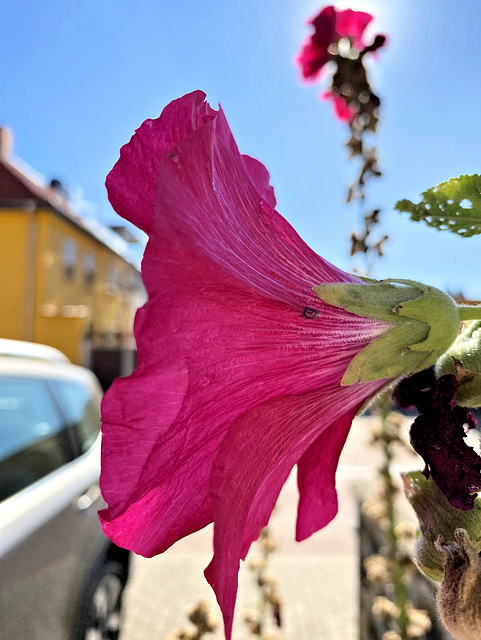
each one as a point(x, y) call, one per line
point(454, 205)
point(438, 310)
point(425, 323)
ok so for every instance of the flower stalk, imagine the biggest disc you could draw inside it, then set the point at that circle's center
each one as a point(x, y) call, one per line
point(387, 441)
point(269, 596)
point(339, 38)
point(469, 312)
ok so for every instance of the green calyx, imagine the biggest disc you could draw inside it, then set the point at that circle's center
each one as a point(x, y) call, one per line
point(463, 359)
point(425, 323)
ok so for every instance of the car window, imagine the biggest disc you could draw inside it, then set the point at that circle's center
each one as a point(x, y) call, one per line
point(33, 440)
point(82, 411)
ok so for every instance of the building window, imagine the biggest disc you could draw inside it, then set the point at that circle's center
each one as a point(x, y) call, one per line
point(69, 258)
point(90, 267)
point(113, 279)
point(132, 280)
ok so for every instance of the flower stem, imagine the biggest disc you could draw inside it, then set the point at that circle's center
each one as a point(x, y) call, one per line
point(470, 312)
point(398, 574)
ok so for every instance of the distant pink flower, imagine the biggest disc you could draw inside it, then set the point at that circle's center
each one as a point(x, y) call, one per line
point(352, 24)
point(330, 25)
point(343, 112)
point(239, 362)
point(314, 53)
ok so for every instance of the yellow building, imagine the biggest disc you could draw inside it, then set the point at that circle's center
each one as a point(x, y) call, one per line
point(66, 282)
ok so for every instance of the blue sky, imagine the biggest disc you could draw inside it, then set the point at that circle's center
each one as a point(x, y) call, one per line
point(78, 79)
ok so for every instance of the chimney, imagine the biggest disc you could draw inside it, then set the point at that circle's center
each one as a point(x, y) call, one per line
point(6, 142)
point(57, 186)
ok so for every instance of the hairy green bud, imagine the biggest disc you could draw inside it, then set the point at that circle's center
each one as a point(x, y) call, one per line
point(425, 323)
point(437, 519)
point(459, 596)
point(463, 359)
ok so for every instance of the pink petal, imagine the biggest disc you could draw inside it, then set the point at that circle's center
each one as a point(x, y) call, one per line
point(343, 112)
point(132, 183)
point(352, 24)
point(314, 52)
point(260, 179)
point(270, 439)
point(311, 60)
point(316, 477)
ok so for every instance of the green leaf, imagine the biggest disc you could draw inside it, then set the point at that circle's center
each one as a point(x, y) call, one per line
point(454, 206)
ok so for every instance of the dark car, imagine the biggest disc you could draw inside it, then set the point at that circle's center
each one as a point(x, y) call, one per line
point(60, 577)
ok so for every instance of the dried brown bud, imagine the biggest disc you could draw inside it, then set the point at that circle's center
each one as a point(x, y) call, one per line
point(358, 245)
point(267, 580)
point(354, 144)
point(202, 616)
point(256, 564)
point(276, 604)
point(378, 247)
point(372, 218)
point(391, 635)
point(184, 633)
point(419, 622)
point(405, 529)
point(385, 609)
point(377, 570)
point(253, 621)
point(375, 509)
point(459, 596)
point(269, 544)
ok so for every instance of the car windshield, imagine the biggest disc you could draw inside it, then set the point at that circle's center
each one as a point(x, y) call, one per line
point(27, 415)
point(33, 441)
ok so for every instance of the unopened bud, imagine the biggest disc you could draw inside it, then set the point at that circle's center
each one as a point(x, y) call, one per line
point(463, 359)
point(437, 518)
point(459, 596)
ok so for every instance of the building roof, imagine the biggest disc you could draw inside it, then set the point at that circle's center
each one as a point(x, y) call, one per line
point(21, 186)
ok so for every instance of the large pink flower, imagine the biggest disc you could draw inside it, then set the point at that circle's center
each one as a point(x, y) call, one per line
point(239, 362)
point(330, 25)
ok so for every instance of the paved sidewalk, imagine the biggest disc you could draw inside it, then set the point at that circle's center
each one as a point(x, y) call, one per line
point(318, 578)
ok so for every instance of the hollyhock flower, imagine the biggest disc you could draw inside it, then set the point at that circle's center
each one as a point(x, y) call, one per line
point(315, 53)
point(239, 361)
point(330, 26)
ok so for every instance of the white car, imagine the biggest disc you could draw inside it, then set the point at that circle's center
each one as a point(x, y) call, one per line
point(60, 577)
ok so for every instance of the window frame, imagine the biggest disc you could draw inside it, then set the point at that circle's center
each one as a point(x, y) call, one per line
point(70, 258)
point(73, 428)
